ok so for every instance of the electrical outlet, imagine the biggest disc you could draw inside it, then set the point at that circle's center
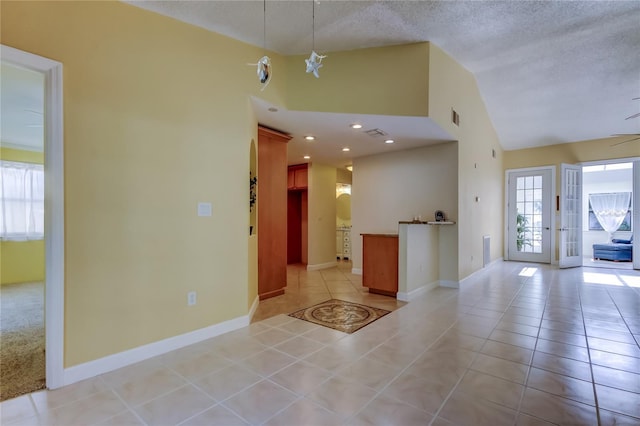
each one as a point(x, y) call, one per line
point(191, 298)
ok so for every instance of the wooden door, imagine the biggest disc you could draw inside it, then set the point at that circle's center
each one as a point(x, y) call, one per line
point(272, 212)
point(294, 227)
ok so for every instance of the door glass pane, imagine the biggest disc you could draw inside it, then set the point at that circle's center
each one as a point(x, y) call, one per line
point(572, 220)
point(529, 214)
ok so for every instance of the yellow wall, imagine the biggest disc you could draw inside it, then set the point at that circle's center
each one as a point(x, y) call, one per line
point(479, 174)
point(21, 261)
point(321, 215)
point(571, 153)
point(156, 120)
point(382, 80)
point(23, 156)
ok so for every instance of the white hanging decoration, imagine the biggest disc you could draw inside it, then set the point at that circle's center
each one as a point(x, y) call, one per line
point(264, 70)
point(314, 63)
point(264, 63)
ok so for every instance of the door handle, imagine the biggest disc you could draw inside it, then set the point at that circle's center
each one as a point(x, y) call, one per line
point(547, 228)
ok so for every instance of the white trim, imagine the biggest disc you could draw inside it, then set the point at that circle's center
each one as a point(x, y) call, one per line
point(449, 283)
point(122, 359)
point(54, 206)
point(610, 161)
point(254, 306)
point(321, 266)
point(552, 219)
point(356, 271)
point(636, 214)
point(479, 272)
point(414, 294)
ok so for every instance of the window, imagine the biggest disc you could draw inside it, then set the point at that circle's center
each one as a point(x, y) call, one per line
point(21, 201)
point(625, 223)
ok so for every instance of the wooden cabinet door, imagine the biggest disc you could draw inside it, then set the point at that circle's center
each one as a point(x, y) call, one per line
point(291, 180)
point(272, 212)
point(300, 178)
point(297, 177)
point(380, 263)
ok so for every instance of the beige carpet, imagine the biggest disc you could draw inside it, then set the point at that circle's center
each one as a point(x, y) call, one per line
point(340, 315)
point(22, 367)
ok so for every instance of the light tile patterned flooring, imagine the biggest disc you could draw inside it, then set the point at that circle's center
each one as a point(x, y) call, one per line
point(519, 344)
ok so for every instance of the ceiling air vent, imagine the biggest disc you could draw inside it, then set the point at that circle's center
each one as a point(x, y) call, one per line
point(374, 133)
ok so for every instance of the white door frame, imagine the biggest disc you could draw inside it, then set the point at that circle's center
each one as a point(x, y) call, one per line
point(54, 206)
point(552, 219)
point(636, 214)
point(636, 198)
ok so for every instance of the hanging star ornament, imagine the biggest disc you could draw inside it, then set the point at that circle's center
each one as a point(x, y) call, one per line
point(264, 70)
point(314, 63)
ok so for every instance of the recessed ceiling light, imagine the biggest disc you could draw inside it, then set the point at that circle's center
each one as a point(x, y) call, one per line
point(307, 157)
point(345, 149)
point(310, 138)
point(356, 126)
point(272, 109)
point(389, 141)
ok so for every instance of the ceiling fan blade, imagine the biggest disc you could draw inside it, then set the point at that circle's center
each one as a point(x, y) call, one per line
point(633, 116)
point(626, 134)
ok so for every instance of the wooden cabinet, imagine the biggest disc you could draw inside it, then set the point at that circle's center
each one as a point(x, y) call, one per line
point(272, 212)
point(380, 263)
point(297, 177)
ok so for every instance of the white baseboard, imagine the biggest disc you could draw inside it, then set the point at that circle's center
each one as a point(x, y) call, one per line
point(321, 266)
point(356, 271)
point(449, 283)
point(122, 359)
point(481, 270)
point(253, 308)
point(414, 294)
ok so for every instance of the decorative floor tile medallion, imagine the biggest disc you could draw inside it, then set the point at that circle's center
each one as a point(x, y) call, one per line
point(340, 315)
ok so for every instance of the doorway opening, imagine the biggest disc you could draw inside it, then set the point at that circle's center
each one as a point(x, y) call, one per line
point(52, 122)
point(22, 332)
point(607, 210)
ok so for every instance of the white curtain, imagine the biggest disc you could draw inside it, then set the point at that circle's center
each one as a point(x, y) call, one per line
point(21, 201)
point(610, 209)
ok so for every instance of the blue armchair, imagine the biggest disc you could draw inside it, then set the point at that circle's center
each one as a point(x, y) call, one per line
point(617, 250)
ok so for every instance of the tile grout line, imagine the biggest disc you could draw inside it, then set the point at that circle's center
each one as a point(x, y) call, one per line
point(530, 366)
point(593, 378)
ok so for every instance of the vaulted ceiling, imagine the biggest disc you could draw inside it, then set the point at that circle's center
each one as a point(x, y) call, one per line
point(549, 71)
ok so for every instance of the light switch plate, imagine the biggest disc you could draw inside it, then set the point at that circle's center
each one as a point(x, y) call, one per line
point(204, 209)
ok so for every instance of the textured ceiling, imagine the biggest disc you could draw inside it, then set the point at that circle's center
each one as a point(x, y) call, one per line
point(549, 72)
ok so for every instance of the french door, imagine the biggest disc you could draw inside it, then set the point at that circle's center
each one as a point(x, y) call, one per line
point(570, 216)
point(529, 214)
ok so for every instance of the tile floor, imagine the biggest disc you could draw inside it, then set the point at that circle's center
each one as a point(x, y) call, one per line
point(518, 344)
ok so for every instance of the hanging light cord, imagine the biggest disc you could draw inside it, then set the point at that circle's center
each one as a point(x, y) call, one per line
point(264, 26)
point(313, 25)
